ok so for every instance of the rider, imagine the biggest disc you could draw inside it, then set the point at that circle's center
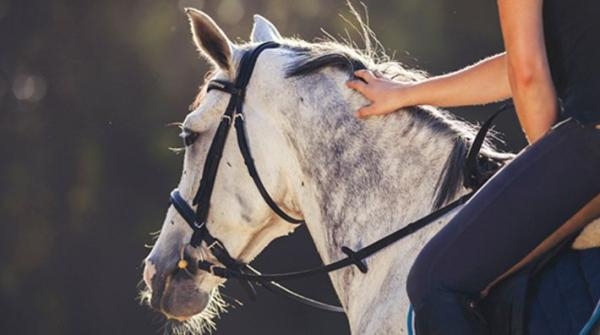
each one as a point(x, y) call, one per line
point(551, 69)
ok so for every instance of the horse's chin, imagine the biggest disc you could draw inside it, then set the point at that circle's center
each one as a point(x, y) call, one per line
point(182, 299)
point(203, 322)
point(179, 317)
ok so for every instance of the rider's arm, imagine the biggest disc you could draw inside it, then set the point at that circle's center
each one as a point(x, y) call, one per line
point(481, 83)
point(528, 71)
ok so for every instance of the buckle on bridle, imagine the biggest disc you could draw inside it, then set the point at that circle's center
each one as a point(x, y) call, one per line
point(197, 225)
point(211, 269)
point(227, 117)
point(216, 242)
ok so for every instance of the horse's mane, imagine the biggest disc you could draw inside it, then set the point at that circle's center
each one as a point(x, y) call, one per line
point(345, 55)
point(313, 57)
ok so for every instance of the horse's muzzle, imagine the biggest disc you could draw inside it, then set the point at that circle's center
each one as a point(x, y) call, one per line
point(181, 298)
point(174, 292)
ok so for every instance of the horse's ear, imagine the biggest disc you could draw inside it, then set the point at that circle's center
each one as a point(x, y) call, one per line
point(210, 40)
point(263, 30)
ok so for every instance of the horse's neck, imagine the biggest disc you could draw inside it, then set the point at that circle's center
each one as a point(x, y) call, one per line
point(362, 180)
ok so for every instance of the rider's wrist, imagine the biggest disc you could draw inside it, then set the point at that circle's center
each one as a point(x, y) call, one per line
point(406, 95)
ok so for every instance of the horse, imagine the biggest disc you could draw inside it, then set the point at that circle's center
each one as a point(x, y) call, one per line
point(351, 181)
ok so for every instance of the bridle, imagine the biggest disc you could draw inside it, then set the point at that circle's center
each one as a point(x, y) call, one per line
point(234, 113)
point(232, 268)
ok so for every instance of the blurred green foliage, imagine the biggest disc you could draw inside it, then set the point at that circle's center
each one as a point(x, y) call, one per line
point(86, 89)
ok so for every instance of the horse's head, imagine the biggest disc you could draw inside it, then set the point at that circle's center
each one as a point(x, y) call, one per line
point(238, 216)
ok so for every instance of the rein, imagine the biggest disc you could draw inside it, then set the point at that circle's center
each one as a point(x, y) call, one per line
point(232, 268)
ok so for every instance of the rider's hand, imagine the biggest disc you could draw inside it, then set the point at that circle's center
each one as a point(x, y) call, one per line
point(386, 96)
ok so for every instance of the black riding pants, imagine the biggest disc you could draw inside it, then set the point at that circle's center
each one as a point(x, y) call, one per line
point(507, 218)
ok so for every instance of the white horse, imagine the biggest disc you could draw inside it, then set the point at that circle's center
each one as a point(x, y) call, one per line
point(353, 181)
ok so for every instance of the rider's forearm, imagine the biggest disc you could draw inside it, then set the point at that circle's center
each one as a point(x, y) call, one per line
point(527, 65)
point(535, 100)
point(481, 83)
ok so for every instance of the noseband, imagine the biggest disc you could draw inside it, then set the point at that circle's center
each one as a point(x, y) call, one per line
point(232, 268)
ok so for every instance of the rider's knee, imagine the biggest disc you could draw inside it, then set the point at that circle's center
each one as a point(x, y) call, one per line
point(418, 283)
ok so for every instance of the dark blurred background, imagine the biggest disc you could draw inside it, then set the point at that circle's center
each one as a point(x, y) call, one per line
point(86, 89)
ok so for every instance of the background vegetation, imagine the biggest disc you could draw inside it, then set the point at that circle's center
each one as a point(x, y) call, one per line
point(86, 89)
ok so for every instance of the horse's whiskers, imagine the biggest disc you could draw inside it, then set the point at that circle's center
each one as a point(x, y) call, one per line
point(175, 124)
point(144, 295)
point(176, 150)
point(202, 323)
point(231, 302)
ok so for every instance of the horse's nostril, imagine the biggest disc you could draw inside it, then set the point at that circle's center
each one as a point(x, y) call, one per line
point(156, 276)
point(155, 299)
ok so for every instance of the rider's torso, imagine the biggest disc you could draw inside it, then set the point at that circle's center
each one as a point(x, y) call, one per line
point(572, 31)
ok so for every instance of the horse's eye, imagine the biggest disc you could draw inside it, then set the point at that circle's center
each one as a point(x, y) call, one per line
point(189, 137)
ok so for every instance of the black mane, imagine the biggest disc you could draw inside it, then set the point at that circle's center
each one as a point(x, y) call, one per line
point(308, 65)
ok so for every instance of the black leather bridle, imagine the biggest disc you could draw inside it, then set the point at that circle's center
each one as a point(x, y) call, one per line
point(197, 219)
point(232, 268)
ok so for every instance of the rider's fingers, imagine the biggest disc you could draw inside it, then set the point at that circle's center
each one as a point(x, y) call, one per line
point(366, 111)
point(365, 75)
point(356, 85)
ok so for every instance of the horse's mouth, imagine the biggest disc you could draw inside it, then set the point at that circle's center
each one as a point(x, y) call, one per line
point(184, 322)
point(182, 299)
